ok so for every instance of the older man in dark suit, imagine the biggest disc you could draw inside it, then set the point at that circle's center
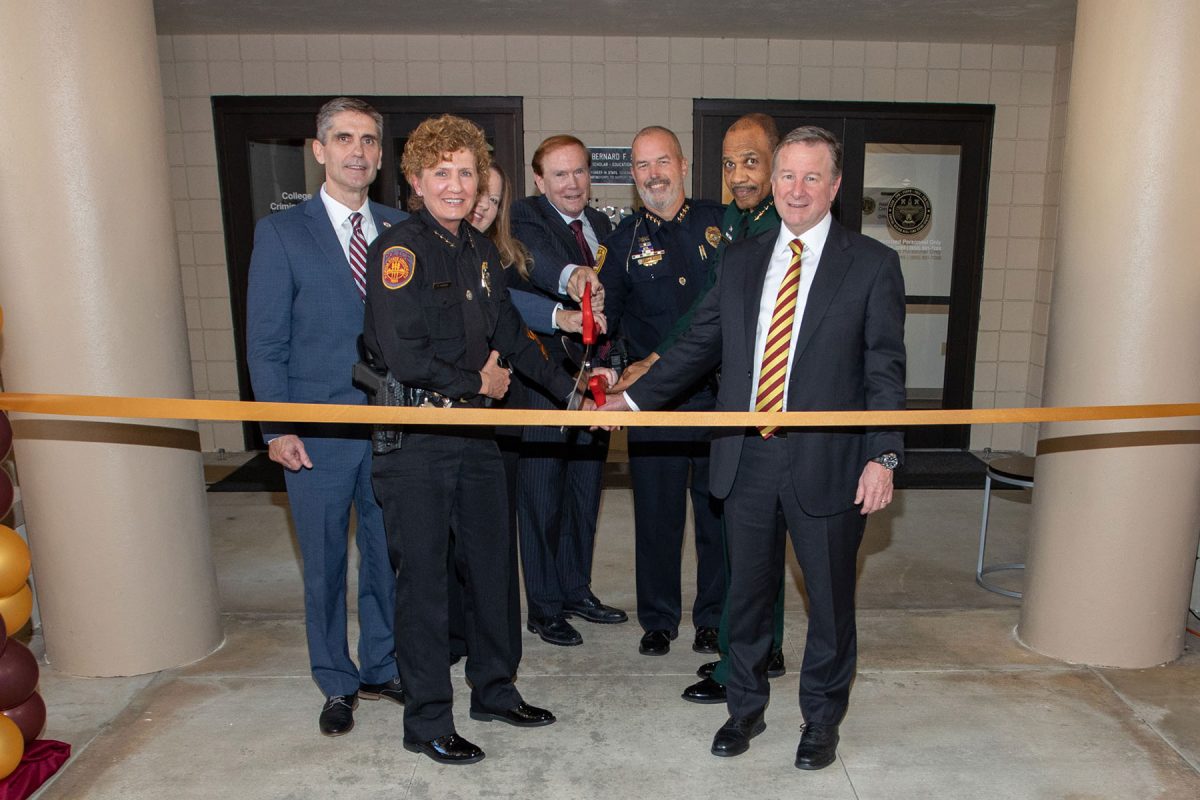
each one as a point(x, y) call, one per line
point(559, 473)
point(304, 314)
point(805, 317)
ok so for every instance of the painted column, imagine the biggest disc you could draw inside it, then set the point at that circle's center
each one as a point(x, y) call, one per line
point(1116, 507)
point(90, 287)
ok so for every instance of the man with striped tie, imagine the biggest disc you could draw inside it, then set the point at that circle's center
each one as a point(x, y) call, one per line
point(807, 316)
point(304, 312)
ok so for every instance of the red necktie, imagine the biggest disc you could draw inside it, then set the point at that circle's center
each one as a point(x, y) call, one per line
point(358, 254)
point(773, 374)
point(577, 228)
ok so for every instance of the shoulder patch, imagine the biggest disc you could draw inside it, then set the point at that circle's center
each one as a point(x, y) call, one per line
point(713, 234)
point(399, 265)
point(601, 252)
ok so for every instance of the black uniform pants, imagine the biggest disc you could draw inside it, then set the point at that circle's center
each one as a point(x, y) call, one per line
point(660, 463)
point(827, 549)
point(445, 480)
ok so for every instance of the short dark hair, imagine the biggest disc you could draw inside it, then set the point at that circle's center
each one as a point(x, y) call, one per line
point(553, 143)
point(339, 104)
point(811, 134)
point(764, 122)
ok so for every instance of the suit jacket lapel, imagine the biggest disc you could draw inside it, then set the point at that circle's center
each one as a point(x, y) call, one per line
point(831, 271)
point(755, 276)
point(322, 231)
point(381, 224)
point(560, 228)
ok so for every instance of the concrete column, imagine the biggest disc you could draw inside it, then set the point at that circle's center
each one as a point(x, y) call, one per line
point(1116, 506)
point(89, 282)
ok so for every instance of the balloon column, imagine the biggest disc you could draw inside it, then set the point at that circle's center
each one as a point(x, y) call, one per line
point(22, 712)
point(25, 761)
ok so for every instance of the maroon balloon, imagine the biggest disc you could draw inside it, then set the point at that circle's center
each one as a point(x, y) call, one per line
point(30, 716)
point(18, 674)
point(5, 435)
point(3, 634)
point(6, 493)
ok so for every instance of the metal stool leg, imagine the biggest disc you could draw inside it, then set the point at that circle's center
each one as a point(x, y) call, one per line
point(980, 569)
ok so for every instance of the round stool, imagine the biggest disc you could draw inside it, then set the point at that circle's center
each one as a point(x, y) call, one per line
point(1015, 471)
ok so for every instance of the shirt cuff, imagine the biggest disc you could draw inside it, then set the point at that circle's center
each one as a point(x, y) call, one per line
point(554, 316)
point(629, 402)
point(565, 276)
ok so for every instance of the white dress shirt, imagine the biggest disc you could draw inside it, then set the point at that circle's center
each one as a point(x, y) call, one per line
point(781, 255)
point(339, 215)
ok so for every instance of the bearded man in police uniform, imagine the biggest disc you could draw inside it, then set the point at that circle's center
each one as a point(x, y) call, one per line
point(746, 171)
point(658, 262)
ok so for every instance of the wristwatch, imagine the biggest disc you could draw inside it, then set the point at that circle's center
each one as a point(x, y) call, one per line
point(888, 460)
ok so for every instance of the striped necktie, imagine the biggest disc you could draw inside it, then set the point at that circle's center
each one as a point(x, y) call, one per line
point(773, 375)
point(358, 254)
point(584, 250)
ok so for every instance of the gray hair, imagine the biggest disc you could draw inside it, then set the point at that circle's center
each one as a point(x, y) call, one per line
point(339, 104)
point(670, 134)
point(811, 134)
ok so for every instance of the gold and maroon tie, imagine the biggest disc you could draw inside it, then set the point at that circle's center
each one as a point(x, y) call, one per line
point(772, 376)
point(358, 254)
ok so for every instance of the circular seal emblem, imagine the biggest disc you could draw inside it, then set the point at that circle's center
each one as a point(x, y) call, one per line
point(909, 211)
point(868, 206)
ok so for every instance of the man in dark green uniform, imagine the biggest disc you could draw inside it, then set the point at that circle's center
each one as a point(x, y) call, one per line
point(746, 170)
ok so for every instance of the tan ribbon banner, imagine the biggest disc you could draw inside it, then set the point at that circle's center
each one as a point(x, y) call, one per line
point(239, 411)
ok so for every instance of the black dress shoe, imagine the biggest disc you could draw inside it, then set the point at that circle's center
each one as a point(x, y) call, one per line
point(706, 669)
point(818, 746)
point(775, 667)
point(388, 691)
point(733, 738)
point(656, 643)
point(522, 715)
point(706, 640)
point(591, 609)
point(705, 691)
point(555, 630)
point(337, 715)
point(448, 749)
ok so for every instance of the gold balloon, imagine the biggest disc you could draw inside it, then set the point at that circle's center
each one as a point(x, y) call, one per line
point(14, 561)
point(16, 608)
point(12, 746)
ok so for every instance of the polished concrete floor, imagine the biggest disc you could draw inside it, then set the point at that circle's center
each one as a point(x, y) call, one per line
point(947, 703)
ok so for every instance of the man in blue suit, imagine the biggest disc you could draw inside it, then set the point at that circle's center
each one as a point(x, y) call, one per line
point(304, 314)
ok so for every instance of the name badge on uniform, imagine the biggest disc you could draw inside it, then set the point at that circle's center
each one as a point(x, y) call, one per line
point(486, 279)
point(647, 256)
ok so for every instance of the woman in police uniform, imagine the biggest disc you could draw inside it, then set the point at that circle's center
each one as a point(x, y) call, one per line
point(438, 317)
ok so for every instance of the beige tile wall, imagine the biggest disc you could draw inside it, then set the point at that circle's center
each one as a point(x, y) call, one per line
point(604, 89)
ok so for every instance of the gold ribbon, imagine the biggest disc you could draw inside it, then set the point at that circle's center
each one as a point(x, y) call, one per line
point(239, 411)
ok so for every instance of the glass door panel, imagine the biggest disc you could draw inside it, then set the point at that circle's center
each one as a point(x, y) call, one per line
point(910, 203)
point(283, 173)
point(925, 328)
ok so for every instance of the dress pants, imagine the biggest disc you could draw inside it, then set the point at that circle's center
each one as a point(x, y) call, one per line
point(320, 499)
point(558, 500)
point(509, 442)
point(720, 673)
point(660, 460)
point(443, 480)
point(827, 549)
